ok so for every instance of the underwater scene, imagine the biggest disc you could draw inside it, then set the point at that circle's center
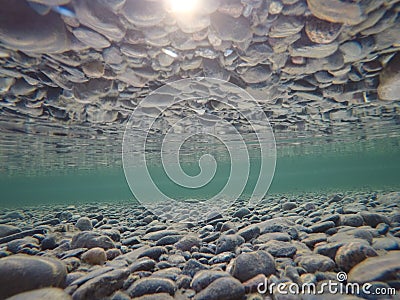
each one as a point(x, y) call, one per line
point(199, 149)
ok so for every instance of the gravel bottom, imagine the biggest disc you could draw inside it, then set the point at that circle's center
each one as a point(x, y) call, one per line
point(122, 251)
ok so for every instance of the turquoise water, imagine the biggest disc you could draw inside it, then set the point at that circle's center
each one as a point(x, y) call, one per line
point(304, 166)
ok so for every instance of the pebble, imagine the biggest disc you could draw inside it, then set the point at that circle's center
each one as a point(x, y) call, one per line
point(6, 230)
point(389, 80)
point(315, 262)
point(379, 268)
point(20, 273)
point(151, 285)
point(248, 265)
point(187, 242)
point(89, 239)
point(241, 212)
point(228, 243)
point(351, 254)
point(83, 224)
point(40, 294)
point(203, 278)
point(322, 226)
point(222, 288)
point(231, 29)
point(279, 248)
point(95, 256)
point(320, 31)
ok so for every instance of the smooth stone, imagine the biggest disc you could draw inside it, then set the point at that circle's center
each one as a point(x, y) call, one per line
point(337, 11)
point(32, 32)
point(95, 256)
point(168, 240)
point(225, 288)
point(289, 206)
point(20, 273)
point(379, 268)
point(322, 226)
point(83, 224)
point(228, 242)
point(248, 265)
point(91, 38)
point(153, 252)
point(256, 74)
point(155, 236)
point(101, 286)
point(90, 239)
point(354, 220)
point(373, 219)
point(313, 50)
point(320, 31)
point(351, 254)
point(286, 26)
point(6, 230)
point(151, 285)
point(187, 242)
point(143, 13)
point(142, 264)
point(203, 278)
point(315, 262)
point(279, 248)
point(49, 242)
point(231, 29)
point(40, 294)
point(241, 212)
point(387, 244)
point(249, 232)
point(389, 80)
point(192, 267)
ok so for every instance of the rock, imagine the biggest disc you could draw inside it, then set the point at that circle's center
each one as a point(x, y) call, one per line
point(313, 50)
point(102, 285)
point(49, 242)
point(84, 224)
point(249, 232)
point(91, 38)
point(373, 219)
point(256, 74)
point(203, 278)
point(228, 242)
point(349, 13)
point(151, 285)
point(389, 80)
point(143, 13)
point(289, 206)
point(248, 265)
point(33, 32)
point(187, 242)
point(241, 212)
point(89, 239)
point(285, 26)
point(40, 294)
point(351, 254)
point(192, 267)
point(20, 273)
point(320, 31)
point(153, 252)
point(280, 248)
point(386, 244)
point(354, 220)
point(6, 230)
point(322, 226)
point(229, 28)
point(142, 264)
point(379, 268)
point(95, 256)
point(315, 262)
point(225, 288)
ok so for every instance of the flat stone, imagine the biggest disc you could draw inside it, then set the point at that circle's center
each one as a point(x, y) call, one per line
point(386, 244)
point(6, 230)
point(373, 219)
point(249, 232)
point(379, 268)
point(389, 80)
point(280, 248)
point(187, 242)
point(32, 32)
point(203, 278)
point(351, 254)
point(322, 226)
point(151, 285)
point(153, 252)
point(320, 31)
point(315, 262)
point(286, 26)
point(143, 13)
point(231, 29)
point(313, 50)
point(89, 239)
point(228, 242)
point(101, 286)
point(337, 11)
point(20, 273)
point(44, 293)
point(222, 288)
point(248, 265)
point(256, 74)
point(241, 212)
point(192, 267)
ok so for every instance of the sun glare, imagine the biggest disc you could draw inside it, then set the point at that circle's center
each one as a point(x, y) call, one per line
point(182, 6)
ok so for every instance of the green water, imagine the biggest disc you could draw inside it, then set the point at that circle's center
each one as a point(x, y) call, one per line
point(322, 166)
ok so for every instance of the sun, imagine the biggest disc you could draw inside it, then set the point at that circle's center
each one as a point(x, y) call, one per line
point(182, 6)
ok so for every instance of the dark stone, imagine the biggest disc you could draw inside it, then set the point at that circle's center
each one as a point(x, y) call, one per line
point(225, 288)
point(20, 273)
point(153, 252)
point(323, 226)
point(151, 285)
point(192, 267)
point(6, 230)
point(241, 212)
point(248, 265)
point(228, 242)
point(90, 239)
